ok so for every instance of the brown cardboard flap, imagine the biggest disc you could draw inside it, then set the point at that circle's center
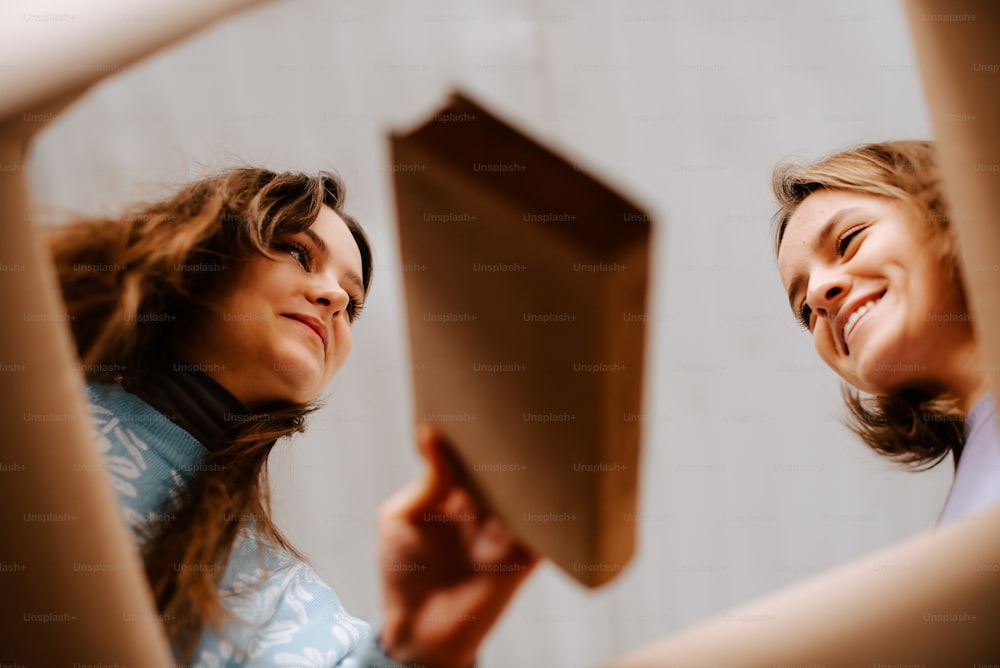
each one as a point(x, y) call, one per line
point(525, 281)
point(958, 52)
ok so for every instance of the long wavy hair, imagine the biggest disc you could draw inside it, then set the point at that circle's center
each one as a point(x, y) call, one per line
point(912, 427)
point(117, 275)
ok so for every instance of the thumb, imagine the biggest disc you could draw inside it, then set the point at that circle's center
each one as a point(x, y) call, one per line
point(438, 479)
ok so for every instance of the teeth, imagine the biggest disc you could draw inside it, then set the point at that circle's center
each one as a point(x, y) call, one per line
point(856, 315)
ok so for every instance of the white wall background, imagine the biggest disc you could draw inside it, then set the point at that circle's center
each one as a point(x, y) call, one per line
point(749, 483)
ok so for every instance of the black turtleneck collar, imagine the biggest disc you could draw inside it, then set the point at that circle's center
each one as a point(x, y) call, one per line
point(191, 399)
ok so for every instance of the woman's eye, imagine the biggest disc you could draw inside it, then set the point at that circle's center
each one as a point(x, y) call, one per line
point(844, 240)
point(805, 316)
point(354, 309)
point(299, 253)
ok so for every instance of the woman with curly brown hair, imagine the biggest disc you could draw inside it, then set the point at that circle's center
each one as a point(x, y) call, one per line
point(207, 324)
point(870, 265)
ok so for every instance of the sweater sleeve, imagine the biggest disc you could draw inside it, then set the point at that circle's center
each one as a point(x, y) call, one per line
point(309, 628)
point(279, 611)
point(291, 618)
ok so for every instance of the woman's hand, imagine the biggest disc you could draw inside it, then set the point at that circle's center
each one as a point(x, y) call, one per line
point(449, 566)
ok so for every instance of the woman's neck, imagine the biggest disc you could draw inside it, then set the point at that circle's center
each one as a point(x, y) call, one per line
point(969, 378)
point(191, 399)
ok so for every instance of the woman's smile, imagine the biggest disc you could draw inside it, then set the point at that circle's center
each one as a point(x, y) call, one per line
point(864, 279)
point(314, 326)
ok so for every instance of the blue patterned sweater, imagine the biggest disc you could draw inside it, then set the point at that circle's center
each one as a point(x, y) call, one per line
point(279, 611)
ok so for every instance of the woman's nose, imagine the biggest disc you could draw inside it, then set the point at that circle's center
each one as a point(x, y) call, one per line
point(330, 296)
point(827, 290)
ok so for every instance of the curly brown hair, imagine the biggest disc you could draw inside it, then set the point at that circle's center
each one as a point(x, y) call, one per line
point(115, 271)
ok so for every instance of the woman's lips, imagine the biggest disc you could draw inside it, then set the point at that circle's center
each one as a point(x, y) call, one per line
point(312, 323)
point(855, 314)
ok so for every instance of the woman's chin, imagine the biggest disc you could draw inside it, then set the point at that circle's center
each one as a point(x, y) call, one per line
point(876, 369)
point(887, 377)
point(302, 382)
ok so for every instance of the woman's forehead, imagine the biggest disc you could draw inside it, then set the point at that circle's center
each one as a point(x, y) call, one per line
point(812, 222)
point(333, 237)
point(332, 232)
point(820, 211)
point(804, 224)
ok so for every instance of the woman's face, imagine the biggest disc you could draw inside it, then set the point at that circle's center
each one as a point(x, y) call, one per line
point(884, 310)
point(282, 328)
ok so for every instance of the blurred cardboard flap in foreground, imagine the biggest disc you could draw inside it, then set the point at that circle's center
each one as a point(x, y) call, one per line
point(525, 281)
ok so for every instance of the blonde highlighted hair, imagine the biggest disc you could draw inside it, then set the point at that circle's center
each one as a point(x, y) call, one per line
point(911, 427)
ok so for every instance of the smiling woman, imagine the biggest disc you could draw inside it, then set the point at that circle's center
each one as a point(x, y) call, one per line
point(207, 325)
point(285, 318)
point(868, 259)
point(216, 275)
point(183, 304)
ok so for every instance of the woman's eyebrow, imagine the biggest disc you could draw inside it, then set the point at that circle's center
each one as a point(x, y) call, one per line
point(827, 231)
point(318, 240)
point(356, 281)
